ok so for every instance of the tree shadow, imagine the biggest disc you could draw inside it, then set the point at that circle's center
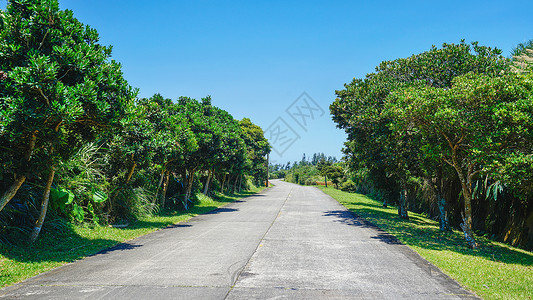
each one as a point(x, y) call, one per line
point(426, 234)
point(349, 218)
point(179, 225)
point(221, 210)
point(64, 245)
point(119, 247)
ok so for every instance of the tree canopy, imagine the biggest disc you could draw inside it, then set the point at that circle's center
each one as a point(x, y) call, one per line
point(452, 113)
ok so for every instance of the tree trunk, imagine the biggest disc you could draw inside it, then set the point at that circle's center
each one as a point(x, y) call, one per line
point(469, 235)
point(44, 205)
point(206, 187)
point(438, 189)
point(165, 187)
point(326, 180)
point(223, 182)
point(402, 205)
point(467, 216)
point(130, 172)
point(235, 183)
point(19, 180)
point(117, 191)
point(157, 197)
point(190, 184)
point(529, 227)
point(190, 181)
point(11, 191)
point(466, 188)
point(443, 214)
point(240, 184)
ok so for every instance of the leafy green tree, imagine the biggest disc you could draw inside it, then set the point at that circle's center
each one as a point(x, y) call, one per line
point(390, 155)
point(172, 139)
point(480, 122)
point(334, 172)
point(129, 148)
point(60, 91)
point(257, 147)
point(322, 167)
point(207, 134)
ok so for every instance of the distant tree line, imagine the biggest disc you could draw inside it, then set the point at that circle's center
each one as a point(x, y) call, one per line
point(77, 142)
point(320, 169)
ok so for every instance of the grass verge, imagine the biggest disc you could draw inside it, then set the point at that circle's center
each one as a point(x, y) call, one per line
point(495, 271)
point(73, 242)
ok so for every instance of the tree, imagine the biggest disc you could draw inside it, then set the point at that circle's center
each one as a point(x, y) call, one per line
point(392, 156)
point(335, 173)
point(472, 121)
point(60, 91)
point(257, 146)
point(322, 167)
point(172, 139)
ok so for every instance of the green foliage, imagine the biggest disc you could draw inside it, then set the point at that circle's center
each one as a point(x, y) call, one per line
point(59, 91)
point(349, 186)
point(60, 198)
point(335, 173)
point(445, 117)
point(258, 147)
point(61, 86)
point(312, 172)
point(77, 213)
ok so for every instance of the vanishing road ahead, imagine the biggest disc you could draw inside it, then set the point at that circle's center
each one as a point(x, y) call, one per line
point(287, 242)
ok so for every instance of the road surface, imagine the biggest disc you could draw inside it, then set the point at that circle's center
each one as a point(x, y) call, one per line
point(287, 242)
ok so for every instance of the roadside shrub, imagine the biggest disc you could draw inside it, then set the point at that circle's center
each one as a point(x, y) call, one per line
point(310, 181)
point(349, 186)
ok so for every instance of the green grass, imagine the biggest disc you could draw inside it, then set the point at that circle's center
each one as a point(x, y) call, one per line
point(495, 271)
point(72, 242)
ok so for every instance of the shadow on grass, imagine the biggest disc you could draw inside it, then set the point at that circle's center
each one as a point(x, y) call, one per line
point(423, 233)
point(53, 245)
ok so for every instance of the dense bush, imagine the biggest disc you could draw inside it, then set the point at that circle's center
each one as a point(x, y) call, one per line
point(349, 186)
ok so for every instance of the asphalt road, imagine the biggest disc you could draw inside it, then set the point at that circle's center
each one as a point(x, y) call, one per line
point(288, 242)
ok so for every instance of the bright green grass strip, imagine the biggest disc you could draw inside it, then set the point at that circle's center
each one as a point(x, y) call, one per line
point(19, 262)
point(495, 271)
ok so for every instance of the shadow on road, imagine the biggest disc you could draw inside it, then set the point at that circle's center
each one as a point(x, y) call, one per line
point(119, 247)
point(420, 232)
point(349, 218)
point(221, 210)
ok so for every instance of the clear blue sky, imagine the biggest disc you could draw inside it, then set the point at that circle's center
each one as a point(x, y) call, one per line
point(255, 58)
